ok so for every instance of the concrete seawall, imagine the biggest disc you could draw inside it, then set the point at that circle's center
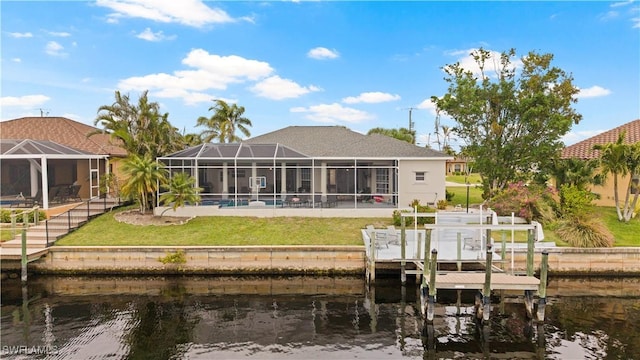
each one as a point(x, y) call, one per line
point(292, 260)
point(581, 261)
point(203, 260)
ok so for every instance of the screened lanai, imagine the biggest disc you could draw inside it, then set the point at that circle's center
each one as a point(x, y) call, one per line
point(44, 172)
point(242, 174)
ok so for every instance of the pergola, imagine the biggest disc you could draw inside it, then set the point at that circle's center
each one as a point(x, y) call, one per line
point(42, 159)
point(237, 174)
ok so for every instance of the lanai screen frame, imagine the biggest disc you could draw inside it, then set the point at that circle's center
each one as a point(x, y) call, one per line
point(279, 166)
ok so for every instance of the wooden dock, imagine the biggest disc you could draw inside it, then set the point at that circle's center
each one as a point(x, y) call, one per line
point(485, 278)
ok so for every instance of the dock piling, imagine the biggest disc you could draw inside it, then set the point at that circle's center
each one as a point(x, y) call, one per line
point(403, 255)
point(542, 292)
point(459, 251)
point(486, 292)
point(432, 285)
point(23, 260)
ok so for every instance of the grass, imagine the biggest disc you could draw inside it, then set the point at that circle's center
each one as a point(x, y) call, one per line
point(460, 195)
point(5, 235)
point(625, 234)
point(473, 179)
point(225, 231)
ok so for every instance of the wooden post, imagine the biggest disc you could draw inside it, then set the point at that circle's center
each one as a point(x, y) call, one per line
point(530, 250)
point(542, 291)
point(459, 251)
point(403, 245)
point(13, 223)
point(23, 261)
point(372, 258)
point(432, 285)
point(503, 252)
point(486, 293)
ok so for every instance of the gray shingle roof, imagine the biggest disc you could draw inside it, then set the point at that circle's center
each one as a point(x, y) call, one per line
point(338, 141)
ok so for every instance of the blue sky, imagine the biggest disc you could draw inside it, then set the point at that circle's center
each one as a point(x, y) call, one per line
point(358, 64)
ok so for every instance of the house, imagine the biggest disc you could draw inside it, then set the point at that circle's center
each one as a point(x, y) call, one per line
point(314, 166)
point(584, 150)
point(458, 166)
point(40, 154)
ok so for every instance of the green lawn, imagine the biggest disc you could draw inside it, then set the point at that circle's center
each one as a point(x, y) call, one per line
point(225, 231)
point(6, 234)
point(625, 234)
point(473, 178)
point(460, 195)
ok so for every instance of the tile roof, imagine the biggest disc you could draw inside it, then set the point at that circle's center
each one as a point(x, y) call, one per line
point(62, 131)
point(584, 148)
point(340, 142)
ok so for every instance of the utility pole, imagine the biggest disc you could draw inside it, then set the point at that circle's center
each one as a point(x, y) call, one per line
point(411, 123)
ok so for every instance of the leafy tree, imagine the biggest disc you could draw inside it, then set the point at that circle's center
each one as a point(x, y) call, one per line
point(181, 190)
point(620, 159)
point(140, 128)
point(511, 122)
point(224, 123)
point(575, 172)
point(403, 134)
point(144, 175)
point(192, 139)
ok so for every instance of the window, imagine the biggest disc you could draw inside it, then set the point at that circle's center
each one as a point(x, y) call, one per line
point(382, 181)
point(305, 179)
point(420, 176)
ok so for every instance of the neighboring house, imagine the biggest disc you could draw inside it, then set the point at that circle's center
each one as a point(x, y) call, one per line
point(457, 166)
point(54, 152)
point(584, 150)
point(317, 165)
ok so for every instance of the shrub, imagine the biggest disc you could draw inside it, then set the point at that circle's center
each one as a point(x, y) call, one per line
point(5, 215)
point(449, 195)
point(575, 201)
point(177, 257)
point(531, 202)
point(442, 204)
point(397, 218)
point(584, 231)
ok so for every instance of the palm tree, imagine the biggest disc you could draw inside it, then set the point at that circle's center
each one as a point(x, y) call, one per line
point(181, 191)
point(575, 172)
point(141, 128)
point(144, 175)
point(620, 159)
point(224, 123)
point(403, 134)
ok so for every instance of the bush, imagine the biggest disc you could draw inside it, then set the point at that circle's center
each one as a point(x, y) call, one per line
point(584, 231)
point(531, 202)
point(397, 218)
point(442, 204)
point(5, 215)
point(177, 257)
point(449, 195)
point(575, 201)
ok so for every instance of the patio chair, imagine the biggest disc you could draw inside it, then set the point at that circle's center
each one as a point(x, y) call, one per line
point(74, 191)
point(379, 237)
point(30, 201)
point(392, 235)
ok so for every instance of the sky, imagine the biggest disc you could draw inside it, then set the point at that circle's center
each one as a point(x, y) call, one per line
point(357, 64)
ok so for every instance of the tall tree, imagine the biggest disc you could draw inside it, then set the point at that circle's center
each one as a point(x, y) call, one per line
point(140, 128)
point(403, 134)
point(620, 159)
point(223, 124)
point(144, 176)
point(575, 172)
point(511, 122)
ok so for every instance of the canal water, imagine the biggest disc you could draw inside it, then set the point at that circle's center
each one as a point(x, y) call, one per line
point(57, 317)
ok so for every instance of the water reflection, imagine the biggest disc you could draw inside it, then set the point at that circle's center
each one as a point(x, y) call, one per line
point(306, 317)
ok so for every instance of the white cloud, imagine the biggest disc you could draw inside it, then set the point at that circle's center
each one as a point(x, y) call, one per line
point(333, 113)
point(609, 15)
point(427, 104)
point(58, 34)
point(149, 35)
point(208, 71)
point(54, 49)
point(24, 101)
point(621, 3)
point(322, 53)
point(492, 65)
point(16, 60)
point(277, 88)
point(636, 22)
point(187, 12)
point(371, 98)
point(20, 35)
point(594, 91)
